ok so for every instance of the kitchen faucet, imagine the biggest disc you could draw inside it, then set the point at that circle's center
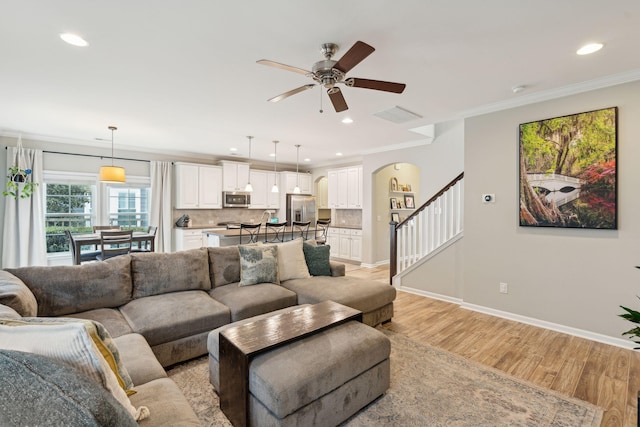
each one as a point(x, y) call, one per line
point(268, 211)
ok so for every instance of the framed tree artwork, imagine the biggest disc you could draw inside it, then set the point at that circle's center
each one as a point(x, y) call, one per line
point(568, 174)
point(394, 203)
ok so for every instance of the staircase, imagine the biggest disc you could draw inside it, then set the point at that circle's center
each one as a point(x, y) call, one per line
point(432, 226)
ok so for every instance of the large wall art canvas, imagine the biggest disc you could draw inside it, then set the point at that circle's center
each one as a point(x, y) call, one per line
point(568, 175)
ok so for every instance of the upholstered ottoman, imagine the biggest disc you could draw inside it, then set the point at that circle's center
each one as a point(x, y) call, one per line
point(322, 379)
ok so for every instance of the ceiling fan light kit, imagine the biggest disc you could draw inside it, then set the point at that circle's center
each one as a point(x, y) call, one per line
point(329, 73)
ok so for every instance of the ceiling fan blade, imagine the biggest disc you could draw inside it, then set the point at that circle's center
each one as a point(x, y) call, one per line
point(375, 84)
point(283, 66)
point(355, 55)
point(337, 99)
point(291, 92)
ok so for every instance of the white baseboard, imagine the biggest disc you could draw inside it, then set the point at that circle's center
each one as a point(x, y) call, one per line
point(374, 265)
point(581, 333)
point(427, 294)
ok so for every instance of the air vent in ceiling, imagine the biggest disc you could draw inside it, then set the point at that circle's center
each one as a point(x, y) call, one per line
point(397, 115)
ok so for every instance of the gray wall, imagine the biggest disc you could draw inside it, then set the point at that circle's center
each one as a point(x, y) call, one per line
point(571, 277)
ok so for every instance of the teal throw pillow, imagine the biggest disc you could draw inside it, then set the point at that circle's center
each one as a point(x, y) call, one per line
point(317, 258)
point(258, 264)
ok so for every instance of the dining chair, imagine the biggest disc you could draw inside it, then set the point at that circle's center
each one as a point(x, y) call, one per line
point(145, 246)
point(322, 228)
point(300, 229)
point(252, 230)
point(114, 243)
point(97, 228)
point(84, 256)
point(276, 229)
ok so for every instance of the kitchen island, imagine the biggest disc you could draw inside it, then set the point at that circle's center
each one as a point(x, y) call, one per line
point(231, 237)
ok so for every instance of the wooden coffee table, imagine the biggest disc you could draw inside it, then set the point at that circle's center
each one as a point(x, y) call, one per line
point(239, 345)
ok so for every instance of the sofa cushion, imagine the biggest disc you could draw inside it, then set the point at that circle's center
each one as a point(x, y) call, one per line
point(258, 264)
point(291, 262)
point(63, 289)
point(167, 404)
point(247, 301)
point(137, 357)
point(77, 344)
point(159, 273)
point(71, 398)
point(317, 259)
point(224, 265)
point(168, 317)
point(361, 294)
point(111, 318)
point(7, 312)
point(15, 294)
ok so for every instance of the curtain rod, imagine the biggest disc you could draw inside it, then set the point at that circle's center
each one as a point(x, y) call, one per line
point(92, 155)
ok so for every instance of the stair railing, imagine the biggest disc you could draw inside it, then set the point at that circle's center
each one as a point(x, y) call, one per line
point(431, 225)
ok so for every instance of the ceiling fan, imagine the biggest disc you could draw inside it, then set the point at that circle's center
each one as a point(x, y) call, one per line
point(329, 73)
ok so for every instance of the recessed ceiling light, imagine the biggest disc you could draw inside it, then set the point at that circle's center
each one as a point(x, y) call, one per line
point(347, 120)
point(272, 155)
point(338, 154)
point(307, 160)
point(518, 89)
point(233, 149)
point(589, 48)
point(74, 39)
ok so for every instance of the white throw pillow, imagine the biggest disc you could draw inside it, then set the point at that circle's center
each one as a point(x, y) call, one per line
point(69, 343)
point(291, 262)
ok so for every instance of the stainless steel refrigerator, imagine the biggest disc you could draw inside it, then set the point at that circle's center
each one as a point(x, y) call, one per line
point(301, 208)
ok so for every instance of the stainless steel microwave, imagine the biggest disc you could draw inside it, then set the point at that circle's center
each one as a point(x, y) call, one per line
point(236, 199)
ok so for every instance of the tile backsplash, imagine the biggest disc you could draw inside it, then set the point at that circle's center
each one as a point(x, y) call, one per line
point(347, 218)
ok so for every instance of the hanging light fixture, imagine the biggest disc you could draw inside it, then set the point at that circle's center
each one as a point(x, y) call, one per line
point(296, 190)
point(112, 173)
point(249, 187)
point(274, 189)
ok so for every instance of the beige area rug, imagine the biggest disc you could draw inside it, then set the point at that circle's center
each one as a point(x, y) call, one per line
point(429, 387)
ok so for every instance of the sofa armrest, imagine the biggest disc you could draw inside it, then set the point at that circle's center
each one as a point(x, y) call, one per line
point(337, 268)
point(15, 294)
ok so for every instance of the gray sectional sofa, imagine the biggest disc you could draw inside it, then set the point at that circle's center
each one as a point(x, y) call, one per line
point(160, 308)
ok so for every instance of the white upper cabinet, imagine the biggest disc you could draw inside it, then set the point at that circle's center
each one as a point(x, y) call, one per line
point(289, 180)
point(261, 196)
point(235, 175)
point(198, 186)
point(345, 188)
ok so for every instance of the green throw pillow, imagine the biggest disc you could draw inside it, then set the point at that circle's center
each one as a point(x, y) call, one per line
point(317, 258)
point(258, 264)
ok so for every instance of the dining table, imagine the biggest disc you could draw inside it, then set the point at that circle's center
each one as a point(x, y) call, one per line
point(80, 240)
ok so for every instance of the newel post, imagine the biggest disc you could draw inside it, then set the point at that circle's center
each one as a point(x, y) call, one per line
point(393, 251)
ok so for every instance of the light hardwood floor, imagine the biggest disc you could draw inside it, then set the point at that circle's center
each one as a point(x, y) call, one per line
point(604, 375)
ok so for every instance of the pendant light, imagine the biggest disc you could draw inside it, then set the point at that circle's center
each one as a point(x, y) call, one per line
point(274, 189)
point(296, 190)
point(249, 188)
point(112, 173)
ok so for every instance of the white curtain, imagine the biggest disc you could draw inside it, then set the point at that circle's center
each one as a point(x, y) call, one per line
point(161, 212)
point(23, 242)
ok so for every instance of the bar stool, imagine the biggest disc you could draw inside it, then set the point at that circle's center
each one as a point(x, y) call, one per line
point(278, 230)
point(322, 226)
point(252, 230)
point(301, 228)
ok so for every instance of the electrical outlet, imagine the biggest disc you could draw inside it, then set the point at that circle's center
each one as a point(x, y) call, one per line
point(504, 288)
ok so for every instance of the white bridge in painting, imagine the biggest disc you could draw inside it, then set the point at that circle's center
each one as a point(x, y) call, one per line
point(560, 189)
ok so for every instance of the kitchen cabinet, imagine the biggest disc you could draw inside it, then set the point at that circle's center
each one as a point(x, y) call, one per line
point(198, 186)
point(261, 196)
point(345, 243)
point(289, 180)
point(235, 175)
point(186, 238)
point(345, 188)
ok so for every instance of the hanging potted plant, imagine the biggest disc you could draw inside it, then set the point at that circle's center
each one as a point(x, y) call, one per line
point(19, 184)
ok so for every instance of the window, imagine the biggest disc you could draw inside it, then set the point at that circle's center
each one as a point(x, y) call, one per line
point(128, 206)
point(68, 205)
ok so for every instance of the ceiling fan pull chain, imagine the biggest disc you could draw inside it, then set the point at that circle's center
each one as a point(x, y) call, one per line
point(321, 111)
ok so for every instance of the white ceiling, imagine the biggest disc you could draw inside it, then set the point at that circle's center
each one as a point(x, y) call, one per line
point(182, 76)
